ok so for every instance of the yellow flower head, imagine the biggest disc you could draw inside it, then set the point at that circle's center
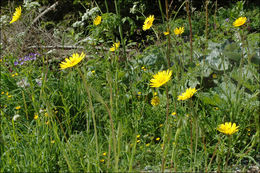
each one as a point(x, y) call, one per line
point(157, 139)
point(115, 47)
point(138, 136)
point(97, 20)
point(18, 107)
point(174, 113)
point(239, 22)
point(17, 14)
point(148, 22)
point(228, 128)
point(160, 78)
point(187, 94)
point(72, 61)
point(36, 116)
point(166, 33)
point(178, 31)
point(155, 101)
point(52, 141)
point(104, 154)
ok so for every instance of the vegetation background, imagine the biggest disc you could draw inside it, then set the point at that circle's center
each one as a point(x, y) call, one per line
point(102, 114)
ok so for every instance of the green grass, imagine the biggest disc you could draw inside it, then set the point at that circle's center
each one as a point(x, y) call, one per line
point(103, 104)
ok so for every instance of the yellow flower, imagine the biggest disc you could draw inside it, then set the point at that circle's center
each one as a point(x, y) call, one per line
point(157, 139)
point(228, 128)
point(104, 154)
point(188, 94)
point(9, 96)
point(143, 68)
point(7, 93)
point(166, 33)
point(97, 20)
point(52, 141)
point(102, 160)
point(148, 144)
point(17, 14)
point(161, 78)
point(18, 107)
point(36, 116)
point(72, 61)
point(178, 31)
point(47, 122)
point(13, 75)
point(155, 94)
point(139, 93)
point(138, 141)
point(2, 92)
point(160, 125)
point(46, 114)
point(174, 113)
point(115, 47)
point(214, 76)
point(239, 22)
point(93, 71)
point(148, 22)
point(138, 136)
point(155, 101)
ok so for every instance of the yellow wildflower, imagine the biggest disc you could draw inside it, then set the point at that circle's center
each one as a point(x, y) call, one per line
point(36, 116)
point(228, 128)
point(97, 20)
point(157, 139)
point(187, 94)
point(52, 141)
point(161, 78)
point(143, 68)
point(102, 160)
point(239, 22)
point(18, 107)
point(166, 33)
point(46, 114)
point(179, 31)
point(174, 113)
point(17, 14)
point(214, 76)
point(138, 141)
point(2, 92)
point(148, 22)
point(115, 47)
point(138, 136)
point(148, 144)
point(155, 101)
point(104, 154)
point(160, 125)
point(72, 61)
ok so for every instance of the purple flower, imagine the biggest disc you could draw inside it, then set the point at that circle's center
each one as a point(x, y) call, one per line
point(227, 19)
point(16, 63)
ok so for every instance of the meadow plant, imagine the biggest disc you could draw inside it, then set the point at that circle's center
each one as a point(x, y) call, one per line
point(169, 93)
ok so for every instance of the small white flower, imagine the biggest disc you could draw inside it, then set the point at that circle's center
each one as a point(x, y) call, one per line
point(23, 83)
point(15, 117)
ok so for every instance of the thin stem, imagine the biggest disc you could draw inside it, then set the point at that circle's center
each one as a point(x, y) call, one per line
point(189, 16)
point(166, 130)
point(168, 37)
point(229, 146)
point(93, 114)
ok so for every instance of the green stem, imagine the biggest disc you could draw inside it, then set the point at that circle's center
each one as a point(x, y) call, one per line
point(93, 114)
point(166, 131)
point(189, 16)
